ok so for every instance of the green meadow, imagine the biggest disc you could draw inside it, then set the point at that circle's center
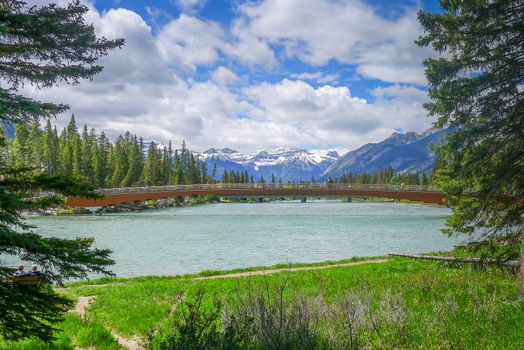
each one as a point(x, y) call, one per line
point(400, 303)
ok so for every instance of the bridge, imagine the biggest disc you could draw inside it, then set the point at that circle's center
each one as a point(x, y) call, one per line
point(115, 196)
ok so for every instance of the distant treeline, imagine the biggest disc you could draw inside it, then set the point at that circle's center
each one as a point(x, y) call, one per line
point(123, 163)
point(386, 176)
point(93, 157)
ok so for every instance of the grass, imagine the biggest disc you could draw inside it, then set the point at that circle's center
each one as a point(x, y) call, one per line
point(75, 332)
point(446, 307)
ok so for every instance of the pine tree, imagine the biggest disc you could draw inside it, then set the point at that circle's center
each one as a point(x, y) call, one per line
point(213, 173)
point(87, 157)
point(225, 177)
point(152, 171)
point(34, 147)
point(101, 161)
point(476, 88)
point(65, 157)
point(203, 173)
point(50, 149)
point(136, 164)
point(119, 161)
point(19, 145)
point(178, 172)
point(165, 167)
point(41, 46)
point(75, 144)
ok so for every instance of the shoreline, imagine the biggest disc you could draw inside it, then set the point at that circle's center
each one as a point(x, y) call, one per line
point(174, 203)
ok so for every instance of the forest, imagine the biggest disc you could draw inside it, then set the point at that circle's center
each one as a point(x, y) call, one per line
point(131, 161)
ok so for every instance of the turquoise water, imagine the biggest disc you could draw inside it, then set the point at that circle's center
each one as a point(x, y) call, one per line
point(232, 235)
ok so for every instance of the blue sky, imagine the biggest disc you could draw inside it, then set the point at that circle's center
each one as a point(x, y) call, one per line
point(316, 74)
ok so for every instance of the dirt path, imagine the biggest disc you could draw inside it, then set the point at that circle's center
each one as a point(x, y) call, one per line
point(82, 304)
point(81, 307)
point(302, 268)
point(131, 344)
point(134, 343)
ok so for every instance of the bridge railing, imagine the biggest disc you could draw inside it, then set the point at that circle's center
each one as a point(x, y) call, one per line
point(269, 186)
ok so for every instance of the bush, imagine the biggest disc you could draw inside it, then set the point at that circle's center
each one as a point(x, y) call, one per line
point(269, 318)
point(194, 327)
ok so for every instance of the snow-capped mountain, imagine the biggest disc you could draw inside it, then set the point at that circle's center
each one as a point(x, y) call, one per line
point(289, 164)
point(409, 152)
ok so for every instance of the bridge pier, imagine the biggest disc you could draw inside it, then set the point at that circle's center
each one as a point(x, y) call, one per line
point(303, 200)
point(350, 199)
point(260, 199)
point(93, 210)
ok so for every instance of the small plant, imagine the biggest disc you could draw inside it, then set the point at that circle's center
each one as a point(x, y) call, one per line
point(272, 321)
point(348, 319)
point(195, 327)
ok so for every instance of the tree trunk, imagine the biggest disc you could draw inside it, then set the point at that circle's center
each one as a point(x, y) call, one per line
point(452, 259)
point(521, 270)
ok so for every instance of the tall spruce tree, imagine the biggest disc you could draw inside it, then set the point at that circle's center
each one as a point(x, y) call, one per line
point(178, 171)
point(41, 46)
point(152, 168)
point(476, 87)
point(50, 149)
point(87, 157)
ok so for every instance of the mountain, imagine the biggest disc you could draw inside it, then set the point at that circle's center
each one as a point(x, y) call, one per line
point(407, 152)
point(289, 164)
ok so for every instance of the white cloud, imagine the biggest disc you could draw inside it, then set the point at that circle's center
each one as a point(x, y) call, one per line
point(317, 77)
point(331, 115)
point(350, 32)
point(142, 89)
point(224, 76)
point(249, 49)
point(189, 41)
point(189, 6)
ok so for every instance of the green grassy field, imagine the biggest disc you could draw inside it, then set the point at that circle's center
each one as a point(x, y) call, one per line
point(437, 306)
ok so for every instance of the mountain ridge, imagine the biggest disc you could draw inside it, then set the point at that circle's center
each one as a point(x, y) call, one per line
point(409, 152)
point(404, 152)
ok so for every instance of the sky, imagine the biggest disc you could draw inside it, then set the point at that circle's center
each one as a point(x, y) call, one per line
point(314, 74)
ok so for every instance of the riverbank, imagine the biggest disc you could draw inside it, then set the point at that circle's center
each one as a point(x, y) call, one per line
point(192, 201)
point(398, 303)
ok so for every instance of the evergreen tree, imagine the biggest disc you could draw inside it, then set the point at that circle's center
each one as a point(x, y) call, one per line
point(136, 163)
point(152, 171)
point(178, 171)
point(213, 173)
point(41, 46)
point(120, 162)
point(34, 147)
point(50, 149)
point(203, 173)
point(19, 148)
point(87, 157)
point(165, 167)
point(101, 161)
point(65, 154)
point(75, 145)
point(476, 88)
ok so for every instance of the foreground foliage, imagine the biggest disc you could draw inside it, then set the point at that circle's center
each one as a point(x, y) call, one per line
point(40, 46)
point(399, 304)
point(476, 88)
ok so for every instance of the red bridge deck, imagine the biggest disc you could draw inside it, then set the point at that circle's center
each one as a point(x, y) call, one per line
point(113, 196)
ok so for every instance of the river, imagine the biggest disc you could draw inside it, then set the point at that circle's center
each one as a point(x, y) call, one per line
point(232, 235)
